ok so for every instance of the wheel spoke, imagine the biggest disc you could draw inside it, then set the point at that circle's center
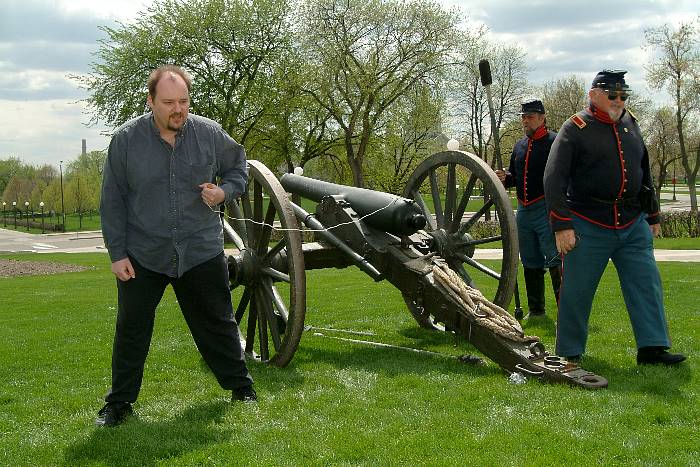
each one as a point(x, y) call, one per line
point(437, 203)
point(252, 320)
point(468, 225)
point(476, 265)
point(271, 317)
point(279, 303)
point(262, 325)
point(245, 299)
point(466, 196)
point(272, 252)
point(480, 241)
point(459, 268)
point(266, 230)
point(426, 211)
point(231, 232)
point(275, 274)
point(248, 216)
point(257, 211)
point(238, 223)
point(450, 194)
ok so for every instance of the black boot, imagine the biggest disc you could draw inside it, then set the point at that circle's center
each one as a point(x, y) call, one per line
point(658, 355)
point(534, 283)
point(555, 273)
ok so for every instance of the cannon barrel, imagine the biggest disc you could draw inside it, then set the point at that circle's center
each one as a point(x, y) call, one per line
point(384, 211)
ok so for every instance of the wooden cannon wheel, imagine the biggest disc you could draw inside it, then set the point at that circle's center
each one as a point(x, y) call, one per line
point(443, 186)
point(269, 294)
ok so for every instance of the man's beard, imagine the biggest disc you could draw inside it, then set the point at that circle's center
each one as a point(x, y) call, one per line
point(615, 114)
point(528, 131)
point(173, 127)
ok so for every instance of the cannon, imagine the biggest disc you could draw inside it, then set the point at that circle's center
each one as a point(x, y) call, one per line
point(422, 242)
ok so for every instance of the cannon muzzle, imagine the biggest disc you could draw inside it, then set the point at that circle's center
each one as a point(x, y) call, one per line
point(384, 211)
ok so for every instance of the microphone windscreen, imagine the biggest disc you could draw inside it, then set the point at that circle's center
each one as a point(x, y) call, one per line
point(485, 72)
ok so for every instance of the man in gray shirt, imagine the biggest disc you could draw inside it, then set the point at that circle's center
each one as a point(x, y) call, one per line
point(159, 228)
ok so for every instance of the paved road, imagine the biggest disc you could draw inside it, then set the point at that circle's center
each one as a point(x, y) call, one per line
point(90, 242)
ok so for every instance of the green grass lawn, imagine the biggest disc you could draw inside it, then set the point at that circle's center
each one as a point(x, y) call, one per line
point(337, 402)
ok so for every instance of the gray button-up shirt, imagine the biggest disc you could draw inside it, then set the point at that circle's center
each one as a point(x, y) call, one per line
point(151, 204)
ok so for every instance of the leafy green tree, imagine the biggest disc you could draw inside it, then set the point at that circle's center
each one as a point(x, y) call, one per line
point(295, 129)
point(9, 168)
point(365, 54)
point(80, 196)
point(52, 198)
point(676, 67)
point(412, 133)
point(228, 46)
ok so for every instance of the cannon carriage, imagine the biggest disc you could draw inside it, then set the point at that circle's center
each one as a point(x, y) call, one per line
point(423, 243)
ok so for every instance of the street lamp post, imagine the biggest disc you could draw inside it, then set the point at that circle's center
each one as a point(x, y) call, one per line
point(41, 205)
point(26, 217)
point(63, 209)
point(674, 180)
point(14, 211)
point(4, 216)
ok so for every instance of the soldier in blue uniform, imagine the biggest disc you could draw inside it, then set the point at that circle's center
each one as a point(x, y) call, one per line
point(602, 206)
point(526, 171)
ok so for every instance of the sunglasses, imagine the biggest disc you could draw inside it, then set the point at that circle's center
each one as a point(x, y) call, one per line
point(612, 95)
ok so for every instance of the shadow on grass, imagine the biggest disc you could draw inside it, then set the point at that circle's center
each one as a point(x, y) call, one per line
point(387, 360)
point(655, 380)
point(143, 443)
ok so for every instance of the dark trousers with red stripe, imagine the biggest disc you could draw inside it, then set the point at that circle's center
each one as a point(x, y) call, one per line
point(631, 251)
point(205, 301)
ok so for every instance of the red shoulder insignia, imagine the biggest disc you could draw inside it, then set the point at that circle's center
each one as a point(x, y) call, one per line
point(578, 121)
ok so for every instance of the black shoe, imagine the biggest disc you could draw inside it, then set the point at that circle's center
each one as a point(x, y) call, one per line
point(536, 314)
point(658, 355)
point(113, 413)
point(574, 359)
point(245, 394)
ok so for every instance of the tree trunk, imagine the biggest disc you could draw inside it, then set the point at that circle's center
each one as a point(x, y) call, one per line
point(354, 161)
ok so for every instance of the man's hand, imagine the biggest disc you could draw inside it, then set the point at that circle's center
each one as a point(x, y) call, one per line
point(655, 229)
point(566, 240)
point(123, 269)
point(212, 194)
point(501, 174)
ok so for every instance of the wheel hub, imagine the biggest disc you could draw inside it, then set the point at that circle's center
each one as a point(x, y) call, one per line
point(448, 245)
point(244, 268)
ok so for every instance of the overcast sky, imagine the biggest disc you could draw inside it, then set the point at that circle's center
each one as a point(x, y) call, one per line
point(42, 119)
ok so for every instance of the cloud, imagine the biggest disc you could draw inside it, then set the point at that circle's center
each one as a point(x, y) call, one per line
point(26, 21)
point(46, 131)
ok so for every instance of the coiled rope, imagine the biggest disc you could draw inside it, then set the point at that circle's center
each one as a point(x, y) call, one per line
point(475, 306)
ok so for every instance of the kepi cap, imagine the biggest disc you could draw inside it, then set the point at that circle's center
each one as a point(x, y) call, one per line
point(532, 106)
point(613, 80)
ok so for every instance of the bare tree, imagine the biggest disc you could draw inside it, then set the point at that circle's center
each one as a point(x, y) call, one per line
point(562, 98)
point(676, 67)
point(366, 54)
point(509, 89)
point(662, 143)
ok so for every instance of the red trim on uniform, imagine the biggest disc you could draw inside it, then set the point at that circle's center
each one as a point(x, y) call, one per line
point(605, 118)
point(600, 115)
point(527, 161)
point(554, 215)
point(614, 227)
point(533, 201)
point(622, 164)
point(540, 133)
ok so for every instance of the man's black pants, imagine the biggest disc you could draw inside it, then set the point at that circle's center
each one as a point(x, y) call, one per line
point(205, 301)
